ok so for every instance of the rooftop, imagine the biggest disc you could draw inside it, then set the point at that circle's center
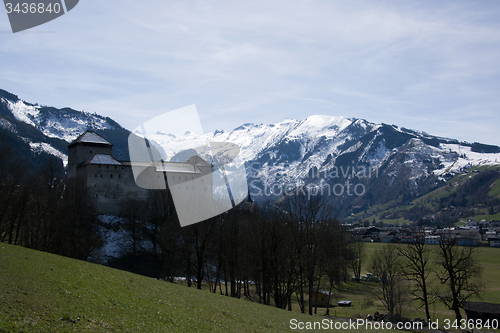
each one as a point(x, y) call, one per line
point(491, 308)
point(103, 159)
point(90, 137)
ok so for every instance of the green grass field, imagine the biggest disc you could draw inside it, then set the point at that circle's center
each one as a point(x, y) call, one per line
point(489, 259)
point(41, 292)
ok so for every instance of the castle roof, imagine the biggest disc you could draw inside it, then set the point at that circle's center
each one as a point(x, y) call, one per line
point(90, 137)
point(103, 159)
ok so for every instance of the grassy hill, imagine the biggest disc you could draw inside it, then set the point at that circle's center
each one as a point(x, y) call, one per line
point(41, 292)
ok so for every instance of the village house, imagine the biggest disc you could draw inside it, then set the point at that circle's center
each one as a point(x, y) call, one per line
point(322, 297)
point(432, 240)
point(482, 311)
point(494, 242)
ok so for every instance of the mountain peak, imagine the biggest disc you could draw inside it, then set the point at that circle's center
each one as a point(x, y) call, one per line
point(9, 96)
point(324, 125)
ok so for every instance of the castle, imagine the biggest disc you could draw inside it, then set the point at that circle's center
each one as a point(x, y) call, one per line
point(112, 183)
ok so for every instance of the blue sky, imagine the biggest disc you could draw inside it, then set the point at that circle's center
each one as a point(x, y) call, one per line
point(431, 66)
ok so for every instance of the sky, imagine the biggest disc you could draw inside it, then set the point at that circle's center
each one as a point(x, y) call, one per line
point(432, 66)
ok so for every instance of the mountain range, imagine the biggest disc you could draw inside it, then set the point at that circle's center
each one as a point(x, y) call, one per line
point(380, 162)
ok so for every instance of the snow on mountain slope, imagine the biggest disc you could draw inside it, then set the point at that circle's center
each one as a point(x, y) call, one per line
point(45, 147)
point(466, 159)
point(65, 124)
point(253, 139)
point(286, 152)
point(23, 112)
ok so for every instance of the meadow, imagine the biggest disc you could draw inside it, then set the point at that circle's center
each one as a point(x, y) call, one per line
point(42, 292)
point(364, 294)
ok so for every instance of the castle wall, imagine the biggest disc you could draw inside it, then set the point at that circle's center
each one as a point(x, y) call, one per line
point(110, 186)
point(79, 153)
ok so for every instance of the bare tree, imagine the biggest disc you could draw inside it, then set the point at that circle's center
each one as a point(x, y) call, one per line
point(309, 215)
point(387, 266)
point(357, 251)
point(200, 238)
point(416, 269)
point(460, 274)
point(134, 211)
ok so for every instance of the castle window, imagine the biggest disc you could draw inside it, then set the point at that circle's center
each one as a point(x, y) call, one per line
point(107, 166)
point(111, 176)
point(115, 167)
point(185, 178)
point(119, 176)
point(97, 195)
point(91, 151)
point(96, 175)
point(101, 175)
point(105, 195)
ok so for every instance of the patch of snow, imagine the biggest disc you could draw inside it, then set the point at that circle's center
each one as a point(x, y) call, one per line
point(23, 112)
point(115, 239)
point(38, 147)
point(57, 124)
point(379, 155)
point(465, 158)
point(321, 125)
point(7, 125)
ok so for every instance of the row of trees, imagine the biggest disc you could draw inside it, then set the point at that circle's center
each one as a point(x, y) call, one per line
point(285, 250)
point(449, 274)
point(42, 210)
point(295, 247)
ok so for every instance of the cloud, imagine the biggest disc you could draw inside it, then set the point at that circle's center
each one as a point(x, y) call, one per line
point(255, 61)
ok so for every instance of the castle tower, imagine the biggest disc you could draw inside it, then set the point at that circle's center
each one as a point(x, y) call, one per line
point(85, 147)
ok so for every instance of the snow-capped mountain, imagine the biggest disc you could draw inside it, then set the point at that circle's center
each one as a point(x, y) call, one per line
point(324, 152)
point(379, 162)
point(65, 124)
point(48, 130)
